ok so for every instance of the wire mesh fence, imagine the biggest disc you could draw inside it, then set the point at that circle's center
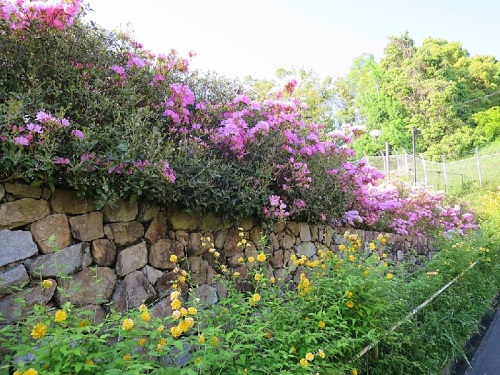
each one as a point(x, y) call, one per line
point(479, 168)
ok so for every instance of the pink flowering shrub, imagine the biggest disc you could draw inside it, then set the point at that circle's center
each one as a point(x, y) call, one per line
point(141, 125)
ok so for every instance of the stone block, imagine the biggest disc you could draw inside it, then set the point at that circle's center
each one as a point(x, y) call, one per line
point(157, 229)
point(12, 279)
point(90, 286)
point(179, 220)
point(132, 292)
point(16, 245)
point(160, 251)
point(67, 202)
point(64, 262)
point(23, 211)
point(87, 227)
point(305, 232)
point(151, 273)
point(103, 252)
point(147, 212)
point(23, 191)
point(120, 211)
point(131, 259)
point(127, 232)
point(52, 232)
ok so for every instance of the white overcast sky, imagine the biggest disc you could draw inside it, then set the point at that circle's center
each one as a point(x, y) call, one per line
point(240, 38)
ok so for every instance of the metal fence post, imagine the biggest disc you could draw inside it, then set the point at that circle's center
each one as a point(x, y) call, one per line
point(445, 174)
point(479, 167)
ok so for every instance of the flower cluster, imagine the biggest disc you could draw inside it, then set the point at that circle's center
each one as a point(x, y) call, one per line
point(53, 14)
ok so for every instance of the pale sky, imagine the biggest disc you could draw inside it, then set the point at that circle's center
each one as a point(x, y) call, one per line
point(237, 38)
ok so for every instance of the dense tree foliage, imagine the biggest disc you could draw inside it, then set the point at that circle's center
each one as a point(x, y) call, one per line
point(437, 88)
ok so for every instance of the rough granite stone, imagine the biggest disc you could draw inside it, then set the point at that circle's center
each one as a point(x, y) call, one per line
point(51, 233)
point(126, 233)
point(90, 286)
point(231, 245)
point(87, 227)
point(16, 245)
point(103, 252)
point(184, 221)
point(207, 295)
point(134, 291)
point(132, 258)
point(12, 279)
point(151, 273)
point(11, 310)
point(307, 248)
point(23, 211)
point(305, 232)
point(2, 192)
point(65, 262)
point(157, 229)
point(23, 191)
point(147, 212)
point(120, 211)
point(160, 251)
point(67, 202)
point(212, 223)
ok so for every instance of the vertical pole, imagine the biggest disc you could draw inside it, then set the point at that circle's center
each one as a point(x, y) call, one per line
point(407, 171)
point(397, 163)
point(387, 157)
point(479, 168)
point(413, 143)
point(425, 169)
point(445, 174)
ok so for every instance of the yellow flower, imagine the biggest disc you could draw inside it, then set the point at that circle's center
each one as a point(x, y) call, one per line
point(342, 247)
point(190, 321)
point(303, 362)
point(184, 311)
point(128, 324)
point(349, 295)
point(159, 348)
point(293, 258)
point(39, 331)
point(354, 372)
point(310, 356)
point(46, 284)
point(143, 308)
point(173, 258)
point(272, 280)
point(31, 371)
point(60, 316)
point(236, 274)
point(141, 341)
point(163, 341)
point(176, 314)
point(174, 295)
point(352, 258)
point(389, 276)
point(145, 316)
point(215, 340)
point(182, 279)
point(175, 331)
point(261, 257)
point(350, 304)
point(216, 254)
point(176, 304)
point(256, 297)
point(184, 326)
point(372, 246)
point(201, 339)
point(251, 259)
point(126, 357)
point(192, 310)
point(18, 373)
point(161, 329)
point(321, 324)
point(241, 260)
point(257, 277)
point(321, 353)
point(243, 241)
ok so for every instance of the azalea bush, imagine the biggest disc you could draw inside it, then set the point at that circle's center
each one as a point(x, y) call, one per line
point(84, 108)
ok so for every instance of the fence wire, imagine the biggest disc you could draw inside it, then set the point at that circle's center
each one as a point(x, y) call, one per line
point(445, 175)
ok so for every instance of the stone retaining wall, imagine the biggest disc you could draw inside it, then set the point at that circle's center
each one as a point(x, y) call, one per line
point(62, 238)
